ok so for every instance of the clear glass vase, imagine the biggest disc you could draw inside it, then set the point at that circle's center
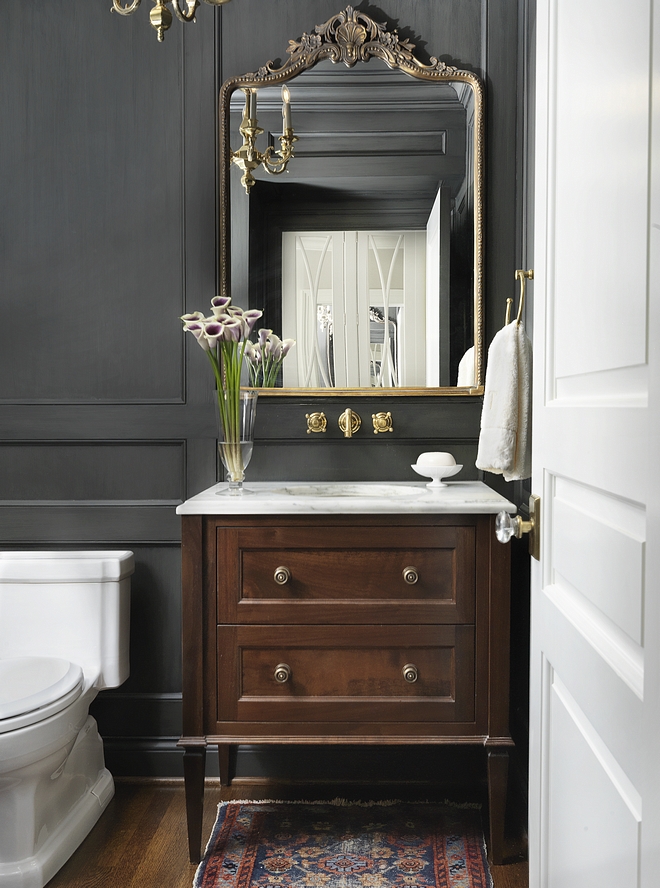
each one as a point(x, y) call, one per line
point(237, 412)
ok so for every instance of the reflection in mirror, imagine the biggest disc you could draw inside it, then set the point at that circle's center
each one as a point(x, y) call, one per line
point(367, 250)
point(368, 276)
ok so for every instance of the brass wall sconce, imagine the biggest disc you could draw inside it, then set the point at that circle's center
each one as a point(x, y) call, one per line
point(248, 158)
point(160, 16)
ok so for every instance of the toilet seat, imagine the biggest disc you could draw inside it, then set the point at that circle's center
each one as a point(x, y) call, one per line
point(34, 688)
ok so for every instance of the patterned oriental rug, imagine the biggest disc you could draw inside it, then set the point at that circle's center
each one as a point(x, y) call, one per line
point(345, 845)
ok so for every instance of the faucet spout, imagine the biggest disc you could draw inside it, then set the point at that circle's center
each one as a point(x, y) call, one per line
point(349, 422)
point(348, 416)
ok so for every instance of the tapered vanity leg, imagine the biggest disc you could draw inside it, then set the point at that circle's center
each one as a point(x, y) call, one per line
point(498, 771)
point(226, 763)
point(194, 759)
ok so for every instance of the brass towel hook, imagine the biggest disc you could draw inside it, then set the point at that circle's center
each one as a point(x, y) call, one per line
point(522, 276)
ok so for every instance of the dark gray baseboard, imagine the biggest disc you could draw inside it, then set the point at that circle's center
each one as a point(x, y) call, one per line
point(438, 766)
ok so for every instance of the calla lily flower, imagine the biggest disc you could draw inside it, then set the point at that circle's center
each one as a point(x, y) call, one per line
point(266, 356)
point(191, 318)
point(251, 316)
point(263, 336)
point(197, 330)
point(214, 332)
point(224, 337)
point(233, 330)
point(273, 345)
point(219, 304)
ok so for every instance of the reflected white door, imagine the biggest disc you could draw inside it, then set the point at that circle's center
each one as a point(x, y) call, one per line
point(355, 302)
point(313, 308)
point(595, 695)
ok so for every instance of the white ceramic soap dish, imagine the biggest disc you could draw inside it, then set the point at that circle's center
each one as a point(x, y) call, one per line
point(436, 472)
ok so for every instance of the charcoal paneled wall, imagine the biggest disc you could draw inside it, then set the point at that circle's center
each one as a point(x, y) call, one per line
point(108, 203)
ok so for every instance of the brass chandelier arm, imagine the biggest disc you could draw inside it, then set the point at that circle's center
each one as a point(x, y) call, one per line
point(160, 16)
point(124, 10)
point(188, 16)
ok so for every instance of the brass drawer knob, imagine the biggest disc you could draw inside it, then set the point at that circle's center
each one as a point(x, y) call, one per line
point(282, 673)
point(410, 575)
point(282, 575)
point(410, 673)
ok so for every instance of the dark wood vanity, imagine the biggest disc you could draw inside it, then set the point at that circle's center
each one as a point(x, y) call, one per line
point(356, 628)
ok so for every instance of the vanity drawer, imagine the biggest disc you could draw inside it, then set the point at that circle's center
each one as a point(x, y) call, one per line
point(346, 674)
point(410, 575)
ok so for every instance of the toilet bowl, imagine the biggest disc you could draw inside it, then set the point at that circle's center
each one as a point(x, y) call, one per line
point(64, 620)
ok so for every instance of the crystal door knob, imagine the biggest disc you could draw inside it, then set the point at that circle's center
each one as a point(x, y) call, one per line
point(507, 526)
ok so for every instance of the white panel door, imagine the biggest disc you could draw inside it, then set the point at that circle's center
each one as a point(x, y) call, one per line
point(595, 742)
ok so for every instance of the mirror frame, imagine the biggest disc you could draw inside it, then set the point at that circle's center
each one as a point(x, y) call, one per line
point(350, 37)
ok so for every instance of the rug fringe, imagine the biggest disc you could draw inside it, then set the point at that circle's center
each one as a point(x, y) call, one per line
point(348, 802)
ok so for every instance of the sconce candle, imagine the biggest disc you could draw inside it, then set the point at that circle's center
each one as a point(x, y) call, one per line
point(286, 108)
point(252, 104)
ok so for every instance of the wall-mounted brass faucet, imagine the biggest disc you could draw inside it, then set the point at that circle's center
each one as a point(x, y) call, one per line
point(349, 422)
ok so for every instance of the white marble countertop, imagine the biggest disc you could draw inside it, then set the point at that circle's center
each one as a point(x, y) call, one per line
point(353, 497)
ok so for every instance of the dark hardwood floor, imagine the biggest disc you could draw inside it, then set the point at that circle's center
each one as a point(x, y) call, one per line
point(140, 841)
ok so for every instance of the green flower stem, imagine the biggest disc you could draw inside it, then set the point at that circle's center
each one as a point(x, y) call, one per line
point(226, 361)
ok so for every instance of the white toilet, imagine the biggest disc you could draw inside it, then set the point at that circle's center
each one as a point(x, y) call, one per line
point(64, 628)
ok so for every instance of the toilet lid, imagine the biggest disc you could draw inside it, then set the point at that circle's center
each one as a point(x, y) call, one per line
point(31, 683)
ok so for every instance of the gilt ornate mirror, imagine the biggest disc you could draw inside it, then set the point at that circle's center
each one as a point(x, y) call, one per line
point(351, 212)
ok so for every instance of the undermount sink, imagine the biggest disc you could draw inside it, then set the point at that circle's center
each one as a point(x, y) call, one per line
point(350, 490)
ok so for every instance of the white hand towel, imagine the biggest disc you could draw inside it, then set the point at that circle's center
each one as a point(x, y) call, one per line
point(466, 368)
point(504, 441)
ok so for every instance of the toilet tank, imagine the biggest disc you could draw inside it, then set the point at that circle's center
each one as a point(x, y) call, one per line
point(73, 605)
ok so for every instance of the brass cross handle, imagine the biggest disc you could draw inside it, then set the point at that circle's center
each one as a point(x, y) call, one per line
point(382, 422)
point(316, 422)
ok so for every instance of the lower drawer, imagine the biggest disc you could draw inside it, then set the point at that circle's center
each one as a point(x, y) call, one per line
point(346, 673)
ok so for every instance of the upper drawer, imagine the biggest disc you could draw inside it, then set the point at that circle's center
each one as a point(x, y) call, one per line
point(414, 574)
